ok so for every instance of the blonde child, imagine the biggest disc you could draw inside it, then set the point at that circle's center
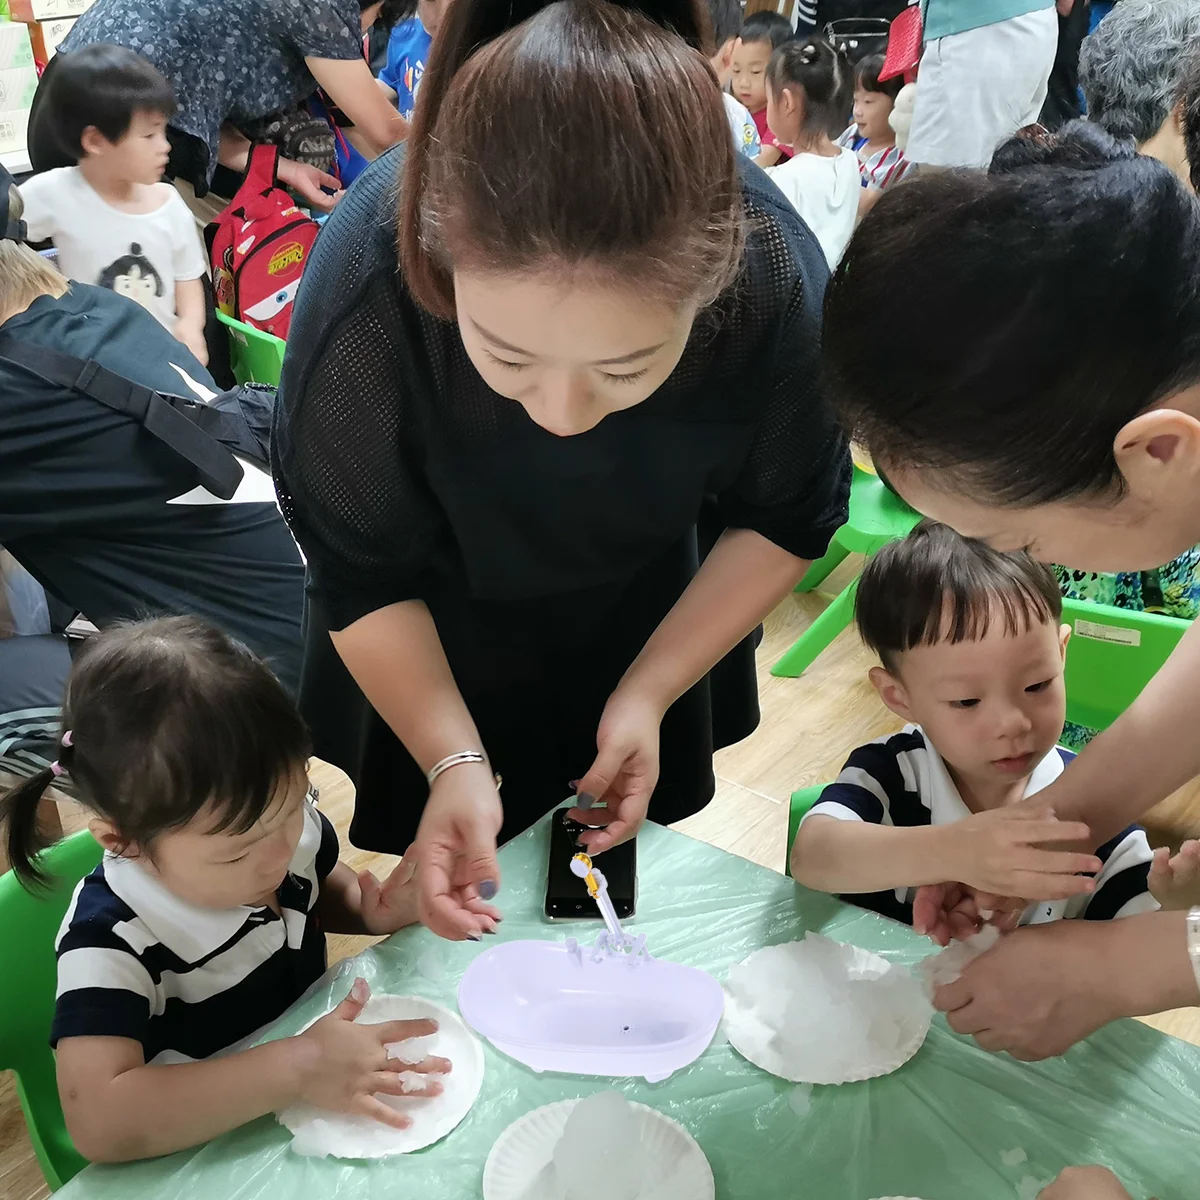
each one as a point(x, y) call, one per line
point(972, 655)
point(881, 162)
point(808, 97)
point(762, 33)
point(208, 914)
point(112, 220)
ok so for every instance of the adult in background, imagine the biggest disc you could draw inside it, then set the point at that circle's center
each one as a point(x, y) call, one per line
point(495, 451)
point(1131, 69)
point(983, 75)
point(232, 62)
point(1071, 429)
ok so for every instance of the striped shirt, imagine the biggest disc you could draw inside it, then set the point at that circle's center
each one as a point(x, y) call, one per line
point(135, 961)
point(902, 781)
point(878, 168)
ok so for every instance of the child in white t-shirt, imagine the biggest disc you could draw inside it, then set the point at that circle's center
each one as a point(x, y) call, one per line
point(809, 94)
point(111, 219)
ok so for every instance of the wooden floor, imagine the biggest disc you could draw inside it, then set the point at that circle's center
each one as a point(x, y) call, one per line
point(808, 727)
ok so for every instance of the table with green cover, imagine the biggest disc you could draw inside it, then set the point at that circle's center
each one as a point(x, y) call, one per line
point(953, 1124)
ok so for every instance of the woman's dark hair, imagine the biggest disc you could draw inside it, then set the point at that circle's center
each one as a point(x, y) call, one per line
point(1189, 103)
point(937, 586)
point(162, 720)
point(823, 74)
point(103, 85)
point(1051, 303)
point(726, 19)
point(580, 132)
point(866, 76)
point(767, 27)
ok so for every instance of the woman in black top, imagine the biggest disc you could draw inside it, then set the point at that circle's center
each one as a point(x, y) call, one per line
point(496, 458)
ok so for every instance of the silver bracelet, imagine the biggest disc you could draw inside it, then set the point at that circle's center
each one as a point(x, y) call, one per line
point(455, 760)
point(1193, 932)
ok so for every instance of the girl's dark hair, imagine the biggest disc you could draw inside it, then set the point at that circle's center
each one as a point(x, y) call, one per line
point(165, 718)
point(1189, 101)
point(823, 74)
point(1054, 301)
point(103, 85)
point(937, 586)
point(866, 76)
point(767, 26)
point(578, 133)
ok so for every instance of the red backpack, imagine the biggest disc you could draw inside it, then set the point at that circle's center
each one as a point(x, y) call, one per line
point(258, 247)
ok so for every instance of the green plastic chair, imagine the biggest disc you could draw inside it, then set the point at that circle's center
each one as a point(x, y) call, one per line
point(1113, 654)
point(256, 357)
point(802, 801)
point(28, 975)
point(877, 516)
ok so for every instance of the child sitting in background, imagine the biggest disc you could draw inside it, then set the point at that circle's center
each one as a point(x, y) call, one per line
point(808, 96)
point(762, 33)
point(972, 656)
point(880, 161)
point(408, 53)
point(111, 219)
point(726, 18)
point(207, 916)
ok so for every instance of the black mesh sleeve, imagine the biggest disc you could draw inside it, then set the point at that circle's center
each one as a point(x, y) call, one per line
point(794, 488)
point(346, 443)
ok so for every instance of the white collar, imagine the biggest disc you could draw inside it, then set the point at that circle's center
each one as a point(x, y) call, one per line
point(189, 930)
point(946, 805)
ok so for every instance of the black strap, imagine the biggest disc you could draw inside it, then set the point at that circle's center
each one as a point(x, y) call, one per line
point(220, 472)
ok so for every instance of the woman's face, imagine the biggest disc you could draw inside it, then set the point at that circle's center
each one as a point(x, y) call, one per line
point(569, 350)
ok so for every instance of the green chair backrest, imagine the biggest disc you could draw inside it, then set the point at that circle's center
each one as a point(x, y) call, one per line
point(877, 515)
point(28, 974)
point(256, 357)
point(802, 801)
point(1113, 654)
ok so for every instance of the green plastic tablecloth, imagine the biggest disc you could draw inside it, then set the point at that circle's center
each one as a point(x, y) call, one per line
point(942, 1127)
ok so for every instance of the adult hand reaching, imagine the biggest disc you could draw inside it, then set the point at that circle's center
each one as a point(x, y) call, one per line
point(307, 181)
point(624, 774)
point(455, 851)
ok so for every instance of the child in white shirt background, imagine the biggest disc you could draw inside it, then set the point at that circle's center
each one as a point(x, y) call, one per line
point(809, 89)
point(112, 220)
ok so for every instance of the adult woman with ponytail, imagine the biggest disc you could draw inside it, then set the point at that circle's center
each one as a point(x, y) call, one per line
point(495, 456)
point(1059, 411)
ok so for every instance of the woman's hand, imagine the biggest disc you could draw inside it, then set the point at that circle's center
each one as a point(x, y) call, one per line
point(455, 852)
point(346, 1064)
point(307, 181)
point(625, 772)
point(1085, 1183)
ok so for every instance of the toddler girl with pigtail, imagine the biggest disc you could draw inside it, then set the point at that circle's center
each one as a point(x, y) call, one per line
point(207, 917)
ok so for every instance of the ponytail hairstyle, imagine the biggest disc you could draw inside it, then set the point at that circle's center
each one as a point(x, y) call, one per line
point(823, 74)
point(1065, 288)
point(575, 134)
point(164, 720)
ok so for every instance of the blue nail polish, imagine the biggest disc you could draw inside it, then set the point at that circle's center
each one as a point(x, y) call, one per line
point(488, 889)
point(583, 800)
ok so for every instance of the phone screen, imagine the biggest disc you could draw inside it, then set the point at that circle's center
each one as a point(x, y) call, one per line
point(566, 894)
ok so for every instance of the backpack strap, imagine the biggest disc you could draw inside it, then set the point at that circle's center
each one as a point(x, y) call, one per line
point(262, 169)
point(220, 472)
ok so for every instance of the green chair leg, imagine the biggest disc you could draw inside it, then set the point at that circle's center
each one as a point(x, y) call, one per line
point(820, 569)
point(818, 635)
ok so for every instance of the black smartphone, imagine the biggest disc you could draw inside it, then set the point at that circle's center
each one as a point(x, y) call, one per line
point(566, 894)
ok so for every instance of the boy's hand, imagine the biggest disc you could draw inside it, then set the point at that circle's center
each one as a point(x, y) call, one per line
point(1000, 852)
point(1085, 1183)
point(949, 912)
point(396, 902)
point(344, 1065)
point(1175, 882)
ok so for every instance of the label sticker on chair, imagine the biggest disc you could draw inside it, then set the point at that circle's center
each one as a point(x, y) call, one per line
point(1108, 633)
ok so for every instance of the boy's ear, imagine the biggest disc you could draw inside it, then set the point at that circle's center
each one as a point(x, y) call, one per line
point(725, 53)
point(891, 691)
point(92, 141)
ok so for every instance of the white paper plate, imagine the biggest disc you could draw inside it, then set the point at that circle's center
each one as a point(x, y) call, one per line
point(527, 1145)
point(820, 1011)
point(320, 1133)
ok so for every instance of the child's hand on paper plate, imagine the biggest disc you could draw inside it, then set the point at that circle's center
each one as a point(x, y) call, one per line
point(343, 1065)
point(1003, 851)
point(1175, 881)
point(1086, 1183)
point(949, 912)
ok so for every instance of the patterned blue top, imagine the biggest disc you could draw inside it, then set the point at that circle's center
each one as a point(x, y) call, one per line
point(226, 59)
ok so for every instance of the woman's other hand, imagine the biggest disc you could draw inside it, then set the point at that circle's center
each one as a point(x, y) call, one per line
point(456, 853)
point(307, 181)
point(1086, 1183)
point(624, 774)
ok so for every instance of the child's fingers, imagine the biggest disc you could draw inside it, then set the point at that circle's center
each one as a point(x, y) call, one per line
point(428, 1066)
point(368, 887)
point(354, 1002)
point(389, 1032)
point(388, 1084)
point(369, 1106)
point(1036, 886)
point(1059, 862)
